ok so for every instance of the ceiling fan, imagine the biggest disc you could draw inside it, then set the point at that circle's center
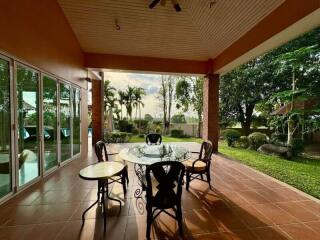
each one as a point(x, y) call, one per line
point(163, 3)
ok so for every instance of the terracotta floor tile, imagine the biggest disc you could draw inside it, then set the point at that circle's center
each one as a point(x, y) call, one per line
point(270, 233)
point(297, 211)
point(275, 214)
point(312, 206)
point(253, 197)
point(314, 225)
point(300, 232)
point(31, 232)
point(252, 217)
point(239, 235)
point(200, 221)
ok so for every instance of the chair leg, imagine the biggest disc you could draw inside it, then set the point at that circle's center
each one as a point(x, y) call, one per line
point(179, 219)
point(123, 182)
point(149, 222)
point(209, 178)
point(127, 175)
point(201, 175)
point(187, 180)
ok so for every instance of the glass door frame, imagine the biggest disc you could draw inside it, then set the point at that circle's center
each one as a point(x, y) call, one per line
point(80, 122)
point(62, 163)
point(45, 173)
point(12, 163)
point(16, 147)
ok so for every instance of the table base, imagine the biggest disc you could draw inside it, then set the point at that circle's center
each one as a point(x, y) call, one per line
point(140, 171)
point(103, 190)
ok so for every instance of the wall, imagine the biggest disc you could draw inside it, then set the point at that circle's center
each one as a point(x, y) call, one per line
point(188, 129)
point(38, 33)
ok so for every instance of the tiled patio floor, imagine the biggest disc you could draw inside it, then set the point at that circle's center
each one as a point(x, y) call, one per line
point(244, 204)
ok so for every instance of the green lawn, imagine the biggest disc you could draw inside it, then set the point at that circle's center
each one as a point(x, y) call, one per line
point(302, 173)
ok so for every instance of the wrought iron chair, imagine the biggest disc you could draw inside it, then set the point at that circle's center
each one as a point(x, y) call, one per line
point(153, 138)
point(164, 191)
point(103, 155)
point(196, 168)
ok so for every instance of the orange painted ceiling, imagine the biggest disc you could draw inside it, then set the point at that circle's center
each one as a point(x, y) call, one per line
point(198, 32)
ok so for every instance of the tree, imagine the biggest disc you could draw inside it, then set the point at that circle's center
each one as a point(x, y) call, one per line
point(246, 86)
point(163, 92)
point(122, 101)
point(189, 94)
point(138, 94)
point(148, 117)
point(129, 99)
point(178, 118)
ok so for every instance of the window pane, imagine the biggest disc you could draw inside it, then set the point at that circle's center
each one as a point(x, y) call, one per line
point(50, 122)
point(5, 145)
point(28, 124)
point(65, 114)
point(76, 121)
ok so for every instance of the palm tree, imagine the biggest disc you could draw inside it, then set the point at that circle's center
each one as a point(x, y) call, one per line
point(121, 100)
point(109, 95)
point(138, 94)
point(129, 98)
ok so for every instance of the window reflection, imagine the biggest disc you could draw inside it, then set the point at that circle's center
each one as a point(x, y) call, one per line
point(50, 122)
point(28, 124)
point(76, 120)
point(65, 115)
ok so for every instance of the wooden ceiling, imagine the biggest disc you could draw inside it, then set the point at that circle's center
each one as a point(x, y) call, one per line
point(198, 32)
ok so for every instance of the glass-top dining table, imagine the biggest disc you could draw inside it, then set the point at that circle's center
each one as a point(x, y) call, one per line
point(142, 155)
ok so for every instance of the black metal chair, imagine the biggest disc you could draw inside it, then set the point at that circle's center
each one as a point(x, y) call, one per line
point(164, 191)
point(195, 168)
point(153, 138)
point(102, 155)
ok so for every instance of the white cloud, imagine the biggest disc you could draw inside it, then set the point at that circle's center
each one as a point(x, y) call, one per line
point(151, 84)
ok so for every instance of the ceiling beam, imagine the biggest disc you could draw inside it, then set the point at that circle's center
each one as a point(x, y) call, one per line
point(146, 64)
point(287, 14)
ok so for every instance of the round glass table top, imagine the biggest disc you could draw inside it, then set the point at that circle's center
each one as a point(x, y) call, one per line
point(148, 154)
point(101, 170)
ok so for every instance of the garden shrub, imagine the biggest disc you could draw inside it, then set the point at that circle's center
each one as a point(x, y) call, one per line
point(158, 129)
point(178, 133)
point(141, 135)
point(256, 139)
point(297, 146)
point(141, 123)
point(125, 126)
point(243, 142)
point(231, 136)
point(135, 131)
point(278, 138)
point(116, 137)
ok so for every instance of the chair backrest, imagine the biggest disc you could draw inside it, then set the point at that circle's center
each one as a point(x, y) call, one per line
point(153, 138)
point(164, 188)
point(206, 151)
point(100, 149)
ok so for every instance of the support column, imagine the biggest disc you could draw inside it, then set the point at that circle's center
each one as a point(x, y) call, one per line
point(97, 110)
point(210, 125)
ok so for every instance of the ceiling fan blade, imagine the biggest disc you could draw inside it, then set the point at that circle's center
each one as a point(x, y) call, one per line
point(176, 5)
point(154, 3)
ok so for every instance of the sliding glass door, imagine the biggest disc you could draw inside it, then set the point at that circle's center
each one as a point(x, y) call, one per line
point(49, 102)
point(28, 124)
point(5, 129)
point(76, 120)
point(65, 122)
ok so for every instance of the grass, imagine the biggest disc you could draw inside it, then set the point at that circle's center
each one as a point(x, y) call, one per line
point(302, 173)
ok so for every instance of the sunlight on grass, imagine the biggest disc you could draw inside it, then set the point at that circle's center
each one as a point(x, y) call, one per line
point(302, 173)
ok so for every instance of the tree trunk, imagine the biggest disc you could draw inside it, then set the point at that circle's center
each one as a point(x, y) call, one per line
point(199, 124)
point(290, 132)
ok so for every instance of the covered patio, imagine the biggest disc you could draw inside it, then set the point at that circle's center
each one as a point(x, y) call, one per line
point(73, 42)
point(243, 204)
